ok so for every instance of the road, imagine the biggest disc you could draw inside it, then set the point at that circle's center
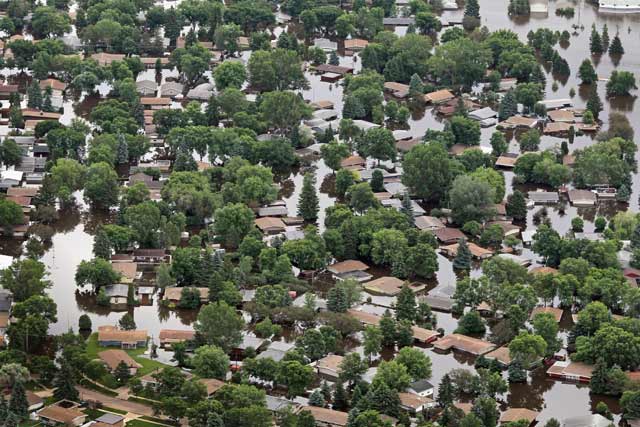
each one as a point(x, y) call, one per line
point(114, 402)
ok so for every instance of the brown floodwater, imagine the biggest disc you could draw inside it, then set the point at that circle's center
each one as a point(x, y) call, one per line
point(73, 240)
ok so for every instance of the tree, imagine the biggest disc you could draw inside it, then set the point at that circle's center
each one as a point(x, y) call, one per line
point(101, 186)
point(472, 8)
point(378, 143)
point(630, 403)
point(462, 261)
point(471, 324)
point(616, 47)
point(620, 83)
point(587, 73)
point(64, 383)
point(471, 199)
point(499, 144)
point(84, 323)
point(126, 322)
point(527, 348)
point(406, 304)
point(517, 374)
point(229, 74)
point(333, 153)
point(508, 106)
point(101, 244)
point(344, 180)
point(594, 104)
point(210, 361)
point(279, 69)
point(18, 404)
point(308, 204)
point(530, 140)
point(34, 95)
point(372, 341)
point(24, 278)
point(516, 206)
point(295, 376)
point(233, 222)
point(428, 171)
point(317, 399)
point(122, 372)
point(10, 214)
point(418, 364)
point(218, 324)
point(545, 325)
point(486, 409)
point(97, 272)
point(361, 197)
point(528, 94)
point(446, 392)
point(351, 369)
point(595, 42)
point(283, 110)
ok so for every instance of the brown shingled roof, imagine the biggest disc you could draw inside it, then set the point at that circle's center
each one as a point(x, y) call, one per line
point(112, 359)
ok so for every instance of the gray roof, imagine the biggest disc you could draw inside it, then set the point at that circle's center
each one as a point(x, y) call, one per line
point(399, 21)
point(482, 114)
point(272, 353)
point(109, 418)
point(544, 196)
point(277, 403)
point(421, 385)
point(117, 290)
point(273, 211)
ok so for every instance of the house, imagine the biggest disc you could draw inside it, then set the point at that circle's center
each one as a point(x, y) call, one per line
point(525, 262)
point(571, 371)
point(334, 69)
point(56, 414)
point(355, 45)
point(543, 270)
point(172, 336)
point(501, 355)
point(422, 388)
point(173, 294)
point(514, 122)
point(171, 89)
point(353, 163)
point(438, 302)
point(4, 322)
point(565, 116)
point(327, 417)
point(398, 21)
point(23, 191)
point(477, 252)
point(155, 102)
point(212, 385)
point(483, 114)
point(405, 145)
point(270, 225)
point(366, 319)
point(150, 63)
point(109, 420)
point(582, 197)
point(544, 197)
point(464, 343)
point(438, 97)
point(277, 404)
point(513, 415)
point(10, 179)
point(350, 269)
point(507, 84)
point(414, 403)
point(34, 401)
point(555, 312)
point(428, 223)
point(117, 293)
point(273, 211)
point(424, 336)
point(151, 256)
point(128, 271)
point(110, 336)
point(398, 90)
point(385, 285)
point(329, 366)
point(105, 59)
point(146, 87)
point(507, 160)
point(508, 229)
point(113, 358)
point(202, 92)
point(448, 235)
point(7, 90)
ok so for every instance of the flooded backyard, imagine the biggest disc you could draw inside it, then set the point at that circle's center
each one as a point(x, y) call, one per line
point(73, 240)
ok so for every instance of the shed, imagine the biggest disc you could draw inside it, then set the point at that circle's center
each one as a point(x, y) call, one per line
point(582, 197)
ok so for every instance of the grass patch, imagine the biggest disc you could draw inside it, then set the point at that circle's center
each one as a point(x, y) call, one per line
point(29, 423)
point(92, 414)
point(148, 365)
point(96, 387)
point(158, 420)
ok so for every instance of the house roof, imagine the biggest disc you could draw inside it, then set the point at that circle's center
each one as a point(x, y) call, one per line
point(176, 335)
point(109, 419)
point(501, 354)
point(569, 368)
point(413, 401)
point(406, 145)
point(355, 44)
point(422, 334)
point(561, 116)
point(364, 317)
point(23, 191)
point(327, 416)
point(174, 293)
point(53, 84)
point(420, 386)
point(519, 121)
point(60, 414)
point(464, 343)
point(212, 385)
point(111, 333)
point(438, 96)
point(448, 234)
point(112, 359)
point(155, 101)
point(127, 269)
point(331, 362)
point(347, 266)
point(476, 251)
point(555, 312)
point(385, 285)
point(543, 270)
point(269, 223)
point(352, 161)
point(516, 414)
point(507, 160)
point(337, 69)
point(582, 196)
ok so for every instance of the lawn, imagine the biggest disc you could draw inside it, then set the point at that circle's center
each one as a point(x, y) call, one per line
point(141, 423)
point(148, 365)
point(92, 414)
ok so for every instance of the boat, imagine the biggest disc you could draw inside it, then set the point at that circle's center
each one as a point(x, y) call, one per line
point(619, 6)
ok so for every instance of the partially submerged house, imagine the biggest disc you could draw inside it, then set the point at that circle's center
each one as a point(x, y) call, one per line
point(464, 343)
point(110, 336)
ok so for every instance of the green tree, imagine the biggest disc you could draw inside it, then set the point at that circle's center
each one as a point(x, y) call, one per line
point(462, 261)
point(308, 204)
point(616, 47)
point(620, 83)
point(64, 383)
point(210, 361)
point(516, 206)
point(527, 348)
point(218, 324)
point(233, 222)
point(378, 143)
point(333, 153)
point(229, 74)
point(418, 364)
point(471, 324)
point(587, 73)
point(18, 404)
point(101, 186)
point(372, 341)
point(406, 304)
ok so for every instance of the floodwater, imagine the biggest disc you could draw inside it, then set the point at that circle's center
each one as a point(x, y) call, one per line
point(73, 240)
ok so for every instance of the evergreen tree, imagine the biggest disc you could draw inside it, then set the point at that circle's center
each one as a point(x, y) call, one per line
point(381, 398)
point(508, 106)
point(308, 204)
point(416, 87)
point(516, 206)
point(388, 328)
point(559, 65)
point(317, 399)
point(126, 322)
point(337, 300)
point(598, 383)
point(356, 396)
point(131, 297)
point(516, 373)
point(340, 401)
point(635, 237)
point(406, 305)
point(407, 208)
point(446, 392)
point(326, 391)
point(623, 194)
point(122, 373)
point(404, 334)
point(462, 261)
point(537, 76)
point(616, 47)
point(123, 150)
point(34, 95)
point(587, 73)
point(4, 409)
point(377, 181)
point(594, 104)
point(47, 104)
point(18, 404)
point(102, 244)
point(595, 42)
point(333, 58)
point(605, 37)
point(64, 383)
point(472, 8)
